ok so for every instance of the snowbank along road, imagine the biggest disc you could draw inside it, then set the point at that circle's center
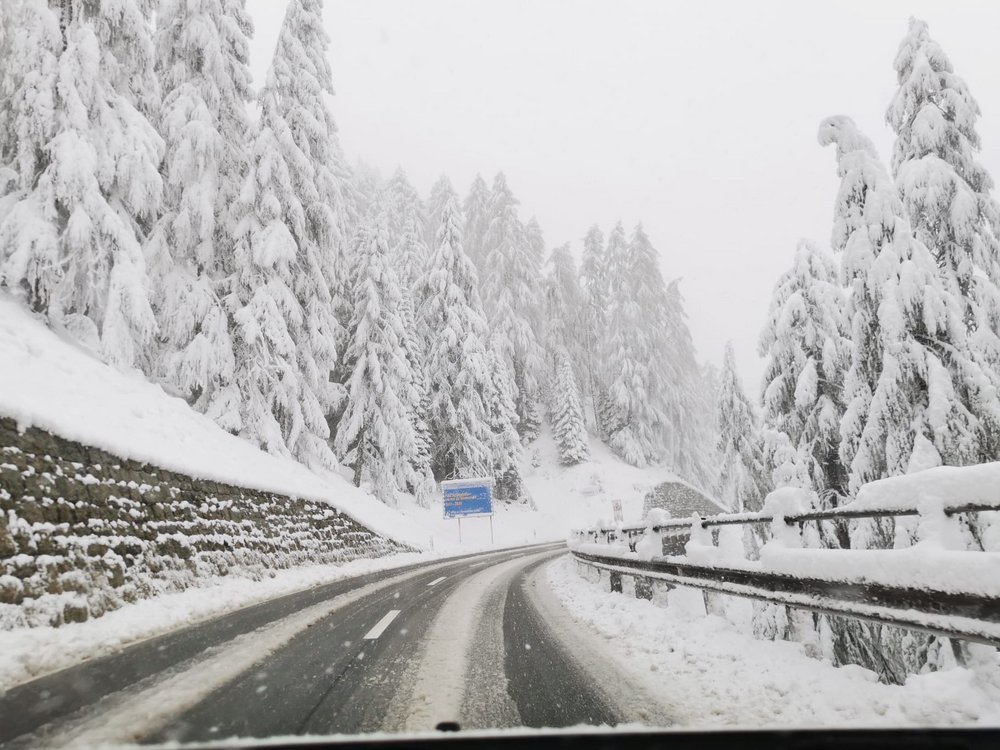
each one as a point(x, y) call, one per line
point(478, 640)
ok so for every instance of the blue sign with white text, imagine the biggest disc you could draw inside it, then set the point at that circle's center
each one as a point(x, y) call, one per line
point(467, 497)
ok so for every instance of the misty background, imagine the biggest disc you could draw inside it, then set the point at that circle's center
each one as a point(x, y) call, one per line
point(699, 119)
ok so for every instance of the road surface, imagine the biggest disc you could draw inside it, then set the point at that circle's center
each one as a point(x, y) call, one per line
point(477, 641)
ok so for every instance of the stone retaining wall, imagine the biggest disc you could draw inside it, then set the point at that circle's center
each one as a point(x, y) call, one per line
point(82, 531)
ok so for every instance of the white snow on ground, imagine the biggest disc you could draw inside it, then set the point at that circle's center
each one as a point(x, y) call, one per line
point(708, 673)
point(575, 497)
point(29, 652)
point(48, 381)
point(565, 498)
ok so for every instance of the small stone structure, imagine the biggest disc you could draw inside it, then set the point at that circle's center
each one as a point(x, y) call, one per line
point(682, 501)
point(83, 531)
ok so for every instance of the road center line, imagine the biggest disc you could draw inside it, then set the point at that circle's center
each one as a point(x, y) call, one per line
point(381, 625)
point(436, 581)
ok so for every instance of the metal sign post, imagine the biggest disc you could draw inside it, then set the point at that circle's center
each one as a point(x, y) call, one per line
point(468, 498)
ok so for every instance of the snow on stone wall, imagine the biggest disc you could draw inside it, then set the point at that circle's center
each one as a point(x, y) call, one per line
point(82, 531)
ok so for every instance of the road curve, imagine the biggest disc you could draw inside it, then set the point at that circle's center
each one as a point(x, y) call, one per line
point(466, 640)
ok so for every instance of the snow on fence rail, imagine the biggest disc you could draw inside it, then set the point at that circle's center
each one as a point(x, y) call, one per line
point(929, 587)
point(729, 519)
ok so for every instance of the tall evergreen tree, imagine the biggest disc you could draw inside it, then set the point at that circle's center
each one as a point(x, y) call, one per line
point(365, 181)
point(741, 484)
point(615, 264)
point(441, 192)
point(406, 231)
point(81, 169)
point(476, 209)
point(376, 435)
point(295, 105)
point(202, 62)
point(946, 194)
point(512, 297)
point(501, 413)
point(594, 287)
point(906, 325)
point(453, 325)
point(563, 308)
point(635, 350)
point(292, 216)
point(568, 426)
point(806, 349)
point(691, 439)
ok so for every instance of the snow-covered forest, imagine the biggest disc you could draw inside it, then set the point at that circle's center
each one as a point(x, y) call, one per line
point(172, 215)
point(882, 351)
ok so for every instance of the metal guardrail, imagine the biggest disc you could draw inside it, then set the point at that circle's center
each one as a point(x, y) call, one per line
point(846, 513)
point(967, 616)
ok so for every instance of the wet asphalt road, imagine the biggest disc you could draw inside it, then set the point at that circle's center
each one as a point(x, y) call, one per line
point(349, 671)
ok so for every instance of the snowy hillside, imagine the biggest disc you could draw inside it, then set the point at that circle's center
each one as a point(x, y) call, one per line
point(564, 498)
point(49, 382)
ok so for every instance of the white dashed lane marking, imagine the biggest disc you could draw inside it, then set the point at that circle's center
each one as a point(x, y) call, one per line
point(381, 625)
point(436, 581)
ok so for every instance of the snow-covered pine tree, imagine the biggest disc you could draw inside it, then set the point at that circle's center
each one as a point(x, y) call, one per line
point(615, 262)
point(946, 194)
point(705, 416)
point(375, 435)
point(902, 402)
point(82, 169)
point(594, 288)
point(635, 352)
point(568, 426)
point(10, 84)
point(403, 202)
point(476, 209)
point(563, 306)
point(536, 241)
point(441, 192)
point(294, 107)
point(512, 299)
point(267, 315)
point(906, 325)
point(692, 439)
point(406, 231)
point(292, 217)
point(366, 182)
point(452, 323)
point(202, 61)
point(501, 413)
point(806, 349)
point(421, 481)
point(742, 482)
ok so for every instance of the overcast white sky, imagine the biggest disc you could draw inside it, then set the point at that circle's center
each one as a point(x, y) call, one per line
point(697, 118)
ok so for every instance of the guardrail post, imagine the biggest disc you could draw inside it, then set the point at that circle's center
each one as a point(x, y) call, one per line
point(616, 581)
point(643, 587)
point(937, 529)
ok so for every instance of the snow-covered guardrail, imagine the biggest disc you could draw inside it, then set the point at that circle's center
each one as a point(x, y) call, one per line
point(680, 526)
point(935, 585)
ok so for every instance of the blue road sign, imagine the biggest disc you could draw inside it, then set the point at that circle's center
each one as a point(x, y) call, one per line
point(467, 497)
